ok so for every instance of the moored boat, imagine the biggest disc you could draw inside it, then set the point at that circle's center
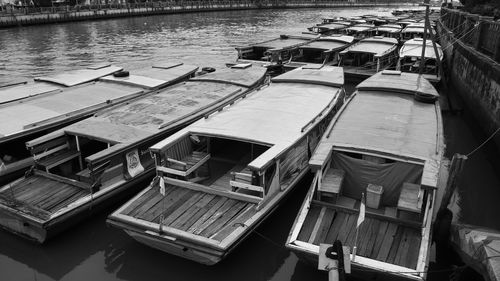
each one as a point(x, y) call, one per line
point(410, 56)
point(85, 166)
point(389, 30)
point(323, 51)
point(29, 110)
point(369, 56)
point(386, 142)
point(412, 31)
point(275, 50)
point(330, 28)
point(220, 177)
point(360, 31)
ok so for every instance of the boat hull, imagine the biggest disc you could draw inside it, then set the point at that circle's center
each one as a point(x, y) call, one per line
point(40, 231)
point(357, 271)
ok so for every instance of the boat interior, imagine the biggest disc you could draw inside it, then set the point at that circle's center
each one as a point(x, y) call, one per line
point(397, 207)
point(412, 64)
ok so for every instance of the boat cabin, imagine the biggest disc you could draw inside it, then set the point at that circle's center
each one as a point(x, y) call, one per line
point(410, 56)
point(360, 31)
point(387, 157)
point(330, 28)
point(369, 56)
point(35, 109)
point(274, 50)
point(389, 30)
point(413, 31)
point(323, 51)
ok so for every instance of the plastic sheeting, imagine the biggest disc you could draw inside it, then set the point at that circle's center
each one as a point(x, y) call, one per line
point(391, 176)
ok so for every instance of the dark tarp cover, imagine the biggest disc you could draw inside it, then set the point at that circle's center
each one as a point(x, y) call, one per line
point(391, 176)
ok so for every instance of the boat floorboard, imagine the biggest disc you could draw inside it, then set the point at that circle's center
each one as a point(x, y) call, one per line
point(377, 239)
point(195, 212)
point(43, 193)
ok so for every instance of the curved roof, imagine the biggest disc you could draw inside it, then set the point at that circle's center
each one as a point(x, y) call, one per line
point(361, 27)
point(374, 45)
point(385, 121)
point(398, 82)
point(413, 48)
point(274, 115)
point(329, 42)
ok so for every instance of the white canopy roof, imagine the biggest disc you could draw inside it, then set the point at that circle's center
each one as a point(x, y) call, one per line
point(413, 48)
point(275, 115)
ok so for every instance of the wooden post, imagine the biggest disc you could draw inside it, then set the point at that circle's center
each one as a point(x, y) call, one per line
point(456, 167)
point(426, 26)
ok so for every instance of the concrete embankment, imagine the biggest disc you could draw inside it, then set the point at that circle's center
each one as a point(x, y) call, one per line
point(34, 16)
point(472, 49)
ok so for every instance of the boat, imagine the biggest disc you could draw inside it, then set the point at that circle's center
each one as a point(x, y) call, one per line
point(330, 28)
point(410, 56)
point(323, 51)
point(29, 110)
point(360, 31)
point(478, 247)
point(385, 142)
point(83, 167)
point(414, 30)
point(220, 177)
point(273, 51)
point(389, 30)
point(369, 56)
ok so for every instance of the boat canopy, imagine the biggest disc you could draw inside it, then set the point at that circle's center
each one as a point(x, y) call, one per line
point(376, 45)
point(413, 48)
point(329, 43)
point(394, 28)
point(301, 94)
point(361, 27)
point(285, 41)
point(333, 26)
point(80, 76)
point(383, 118)
point(413, 29)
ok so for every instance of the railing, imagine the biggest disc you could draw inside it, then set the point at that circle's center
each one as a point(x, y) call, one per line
point(201, 4)
point(481, 33)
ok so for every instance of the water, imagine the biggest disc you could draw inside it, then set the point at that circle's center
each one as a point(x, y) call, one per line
point(93, 251)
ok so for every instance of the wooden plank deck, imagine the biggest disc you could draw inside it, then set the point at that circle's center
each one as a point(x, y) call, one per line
point(377, 239)
point(195, 212)
point(44, 193)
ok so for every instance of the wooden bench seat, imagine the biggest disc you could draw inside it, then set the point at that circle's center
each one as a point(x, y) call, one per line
point(53, 161)
point(243, 181)
point(187, 165)
point(410, 198)
point(331, 185)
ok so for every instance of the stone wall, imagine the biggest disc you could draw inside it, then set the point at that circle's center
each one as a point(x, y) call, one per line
point(472, 54)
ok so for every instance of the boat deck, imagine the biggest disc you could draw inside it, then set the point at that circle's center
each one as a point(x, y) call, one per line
point(40, 196)
point(195, 212)
point(383, 240)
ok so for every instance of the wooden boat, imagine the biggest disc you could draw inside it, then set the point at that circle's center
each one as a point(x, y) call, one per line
point(360, 31)
point(389, 30)
point(410, 56)
point(94, 162)
point(412, 31)
point(226, 173)
point(330, 28)
point(478, 247)
point(386, 143)
point(323, 51)
point(29, 110)
point(369, 56)
point(274, 50)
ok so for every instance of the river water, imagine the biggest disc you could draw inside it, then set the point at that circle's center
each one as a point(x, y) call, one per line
point(93, 251)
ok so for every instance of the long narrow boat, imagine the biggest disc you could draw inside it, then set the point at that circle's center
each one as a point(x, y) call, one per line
point(369, 56)
point(274, 50)
point(323, 51)
point(388, 144)
point(29, 110)
point(360, 31)
point(94, 162)
point(410, 56)
point(225, 174)
point(329, 28)
point(389, 30)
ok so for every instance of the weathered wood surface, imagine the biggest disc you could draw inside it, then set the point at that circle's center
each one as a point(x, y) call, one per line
point(207, 215)
point(41, 194)
point(377, 239)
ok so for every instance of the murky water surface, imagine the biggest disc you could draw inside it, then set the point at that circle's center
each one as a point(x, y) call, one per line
point(93, 251)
